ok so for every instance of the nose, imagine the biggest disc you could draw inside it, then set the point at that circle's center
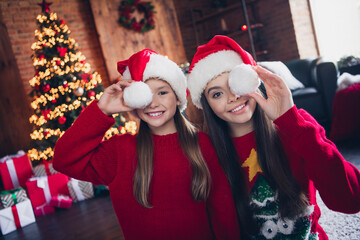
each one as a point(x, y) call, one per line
point(155, 102)
point(233, 97)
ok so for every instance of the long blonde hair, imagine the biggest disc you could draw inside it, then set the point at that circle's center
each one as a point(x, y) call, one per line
point(188, 137)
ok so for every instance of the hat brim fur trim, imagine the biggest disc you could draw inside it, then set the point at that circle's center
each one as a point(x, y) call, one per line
point(161, 67)
point(207, 69)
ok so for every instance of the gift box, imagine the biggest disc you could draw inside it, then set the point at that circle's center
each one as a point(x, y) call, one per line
point(44, 169)
point(61, 201)
point(44, 209)
point(15, 170)
point(12, 197)
point(16, 216)
point(41, 189)
point(80, 190)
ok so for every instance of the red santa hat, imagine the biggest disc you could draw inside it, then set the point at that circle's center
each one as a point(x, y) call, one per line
point(221, 54)
point(147, 64)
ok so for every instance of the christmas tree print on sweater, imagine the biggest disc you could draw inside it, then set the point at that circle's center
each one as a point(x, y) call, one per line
point(265, 204)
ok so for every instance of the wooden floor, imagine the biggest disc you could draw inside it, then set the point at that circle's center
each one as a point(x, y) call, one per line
point(92, 219)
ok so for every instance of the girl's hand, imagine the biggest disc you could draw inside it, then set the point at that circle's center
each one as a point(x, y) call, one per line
point(112, 100)
point(279, 98)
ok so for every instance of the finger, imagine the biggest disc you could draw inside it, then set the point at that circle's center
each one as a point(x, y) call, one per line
point(258, 98)
point(267, 76)
point(127, 80)
point(123, 83)
point(275, 79)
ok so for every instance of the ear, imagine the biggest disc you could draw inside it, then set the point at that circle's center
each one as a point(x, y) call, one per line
point(177, 103)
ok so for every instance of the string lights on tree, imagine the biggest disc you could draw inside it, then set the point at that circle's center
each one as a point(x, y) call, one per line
point(63, 85)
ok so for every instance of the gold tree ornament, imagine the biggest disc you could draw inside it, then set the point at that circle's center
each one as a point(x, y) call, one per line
point(79, 91)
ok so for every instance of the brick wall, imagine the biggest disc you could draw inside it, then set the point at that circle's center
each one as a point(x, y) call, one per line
point(281, 37)
point(279, 30)
point(20, 20)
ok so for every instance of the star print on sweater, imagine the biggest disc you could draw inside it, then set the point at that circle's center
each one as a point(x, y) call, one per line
point(253, 165)
point(316, 165)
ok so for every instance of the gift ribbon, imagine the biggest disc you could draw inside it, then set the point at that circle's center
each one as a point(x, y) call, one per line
point(60, 198)
point(16, 216)
point(12, 192)
point(11, 168)
point(13, 195)
point(77, 190)
point(42, 182)
point(46, 167)
point(42, 208)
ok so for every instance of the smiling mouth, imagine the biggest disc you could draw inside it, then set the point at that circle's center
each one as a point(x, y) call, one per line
point(238, 108)
point(155, 114)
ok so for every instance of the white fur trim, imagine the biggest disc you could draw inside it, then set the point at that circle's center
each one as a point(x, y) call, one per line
point(161, 67)
point(126, 74)
point(137, 95)
point(208, 68)
point(243, 79)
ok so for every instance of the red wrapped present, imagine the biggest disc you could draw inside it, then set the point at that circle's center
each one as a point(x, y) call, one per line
point(80, 190)
point(15, 170)
point(43, 209)
point(44, 169)
point(41, 189)
point(16, 216)
point(61, 201)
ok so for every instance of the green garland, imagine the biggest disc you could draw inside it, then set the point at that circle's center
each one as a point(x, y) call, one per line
point(127, 7)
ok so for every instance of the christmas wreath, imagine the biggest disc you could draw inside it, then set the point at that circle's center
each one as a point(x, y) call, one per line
point(127, 7)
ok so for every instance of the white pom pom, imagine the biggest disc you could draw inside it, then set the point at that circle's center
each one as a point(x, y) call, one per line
point(137, 95)
point(243, 79)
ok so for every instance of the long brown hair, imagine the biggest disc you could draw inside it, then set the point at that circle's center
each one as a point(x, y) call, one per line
point(273, 162)
point(201, 180)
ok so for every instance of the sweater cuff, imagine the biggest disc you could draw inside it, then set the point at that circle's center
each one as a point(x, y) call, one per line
point(92, 115)
point(291, 123)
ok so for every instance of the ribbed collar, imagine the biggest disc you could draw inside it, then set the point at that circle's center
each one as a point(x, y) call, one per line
point(167, 140)
point(247, 139)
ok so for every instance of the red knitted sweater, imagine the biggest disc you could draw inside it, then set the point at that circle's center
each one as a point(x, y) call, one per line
point(79, 153)
point(316, 165)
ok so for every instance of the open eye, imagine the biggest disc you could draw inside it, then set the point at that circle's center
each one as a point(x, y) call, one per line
point(163, 92)
point(216, 94)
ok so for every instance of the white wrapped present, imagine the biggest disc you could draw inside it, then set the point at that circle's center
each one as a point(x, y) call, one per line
point(17, 216)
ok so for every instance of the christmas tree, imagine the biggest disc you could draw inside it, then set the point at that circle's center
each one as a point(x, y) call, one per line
point(265, 205)
point(62, 87)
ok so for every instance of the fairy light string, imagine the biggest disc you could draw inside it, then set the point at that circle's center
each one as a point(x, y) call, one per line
point(63, 85)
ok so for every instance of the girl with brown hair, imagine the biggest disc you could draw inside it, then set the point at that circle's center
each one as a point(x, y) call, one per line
point(165, 182)
point(275, 156)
